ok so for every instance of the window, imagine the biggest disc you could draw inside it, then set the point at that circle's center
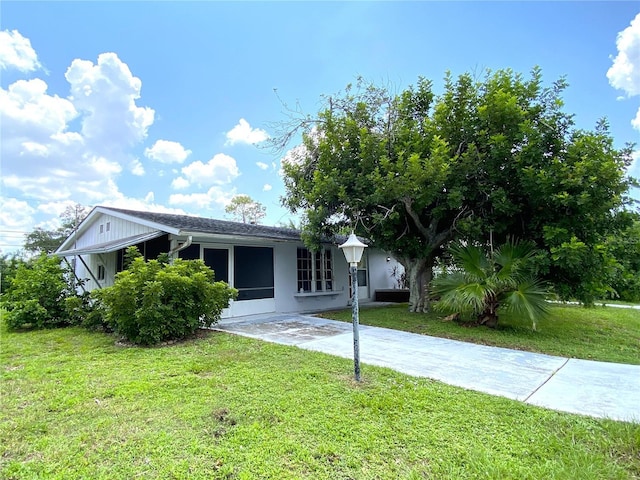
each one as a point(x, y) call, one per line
point(101, 228)
point(108, 226)
point(315, 270)
point(101, 272)
point(305, 270)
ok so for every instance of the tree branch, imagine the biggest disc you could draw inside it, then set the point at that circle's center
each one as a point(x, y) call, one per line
point(408, 202)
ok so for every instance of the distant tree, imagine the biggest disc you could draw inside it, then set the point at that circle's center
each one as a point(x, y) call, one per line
point(487, 159)
point(625, 248)
point(43, 241)
point(47, 241)
point(246, 210)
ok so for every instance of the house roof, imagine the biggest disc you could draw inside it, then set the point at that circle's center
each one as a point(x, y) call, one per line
point(179, 225)
point(186, 224)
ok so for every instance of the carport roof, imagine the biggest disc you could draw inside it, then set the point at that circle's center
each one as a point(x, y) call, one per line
point(112, 246)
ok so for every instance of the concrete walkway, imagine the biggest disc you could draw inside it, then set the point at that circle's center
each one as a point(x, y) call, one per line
point(597, 389)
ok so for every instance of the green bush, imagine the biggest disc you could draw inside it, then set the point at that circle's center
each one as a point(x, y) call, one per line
point(9, 264)
point(36, 296)
point(153, 302)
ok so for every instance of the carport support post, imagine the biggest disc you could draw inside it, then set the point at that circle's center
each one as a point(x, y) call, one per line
point(355, 313)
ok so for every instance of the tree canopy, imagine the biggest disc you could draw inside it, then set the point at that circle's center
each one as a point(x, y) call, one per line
point(489, 158)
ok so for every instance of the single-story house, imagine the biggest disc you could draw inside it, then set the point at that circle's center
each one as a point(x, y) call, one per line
point(269, 266)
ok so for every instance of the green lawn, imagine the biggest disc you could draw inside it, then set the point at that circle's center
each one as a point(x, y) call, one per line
point(75, 405)
point(608, 334)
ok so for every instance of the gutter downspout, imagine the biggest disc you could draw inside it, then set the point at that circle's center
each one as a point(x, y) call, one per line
point(176, 250)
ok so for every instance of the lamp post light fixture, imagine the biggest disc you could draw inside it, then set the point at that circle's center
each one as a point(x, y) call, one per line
point(353, 250)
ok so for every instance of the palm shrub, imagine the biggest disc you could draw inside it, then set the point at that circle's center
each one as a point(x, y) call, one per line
point(152, 301)
point(482, 283)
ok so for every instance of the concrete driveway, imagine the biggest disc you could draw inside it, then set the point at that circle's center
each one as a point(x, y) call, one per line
point(597, 389)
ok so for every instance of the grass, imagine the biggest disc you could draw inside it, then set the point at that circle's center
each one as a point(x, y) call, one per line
point(607, 334)
point(76, 406)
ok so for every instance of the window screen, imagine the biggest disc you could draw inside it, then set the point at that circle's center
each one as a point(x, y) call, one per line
point(192, 252)
point(218, 260)
point(253, 272)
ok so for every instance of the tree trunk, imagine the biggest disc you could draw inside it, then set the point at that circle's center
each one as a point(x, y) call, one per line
point(419, 273)
point(489, 316)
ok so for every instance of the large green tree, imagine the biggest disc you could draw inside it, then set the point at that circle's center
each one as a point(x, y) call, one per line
point(488, 158)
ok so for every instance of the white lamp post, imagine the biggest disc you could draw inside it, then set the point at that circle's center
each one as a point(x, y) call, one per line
point(353, 249)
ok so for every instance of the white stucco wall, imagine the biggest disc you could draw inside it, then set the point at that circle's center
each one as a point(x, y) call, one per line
point(382, 268)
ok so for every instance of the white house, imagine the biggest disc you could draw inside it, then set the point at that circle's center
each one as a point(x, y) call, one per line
point(269, 266)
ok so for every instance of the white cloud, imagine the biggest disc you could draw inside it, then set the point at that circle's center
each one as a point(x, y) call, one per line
point(215, 196)
point(219, 170)
point(624, 74)
point(15, 214)
point(136, 167)
point(69, 147)
point(55, 208)
point(266, 187)
point(106, 93)
point(243, 133)
point(35, 148)
point(165, 151)
point(104, 166)
point(57, 149)
point(16, 52)
point(179, 183)
point(262, 165)
point(28, 112)
point(636, 121)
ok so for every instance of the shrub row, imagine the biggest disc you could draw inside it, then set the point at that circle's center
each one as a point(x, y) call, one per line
point(150, 302)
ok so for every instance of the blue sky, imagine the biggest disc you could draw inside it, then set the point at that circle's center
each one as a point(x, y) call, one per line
point(164, 105)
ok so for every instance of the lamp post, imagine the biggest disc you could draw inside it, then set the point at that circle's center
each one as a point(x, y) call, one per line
point(353, 249)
